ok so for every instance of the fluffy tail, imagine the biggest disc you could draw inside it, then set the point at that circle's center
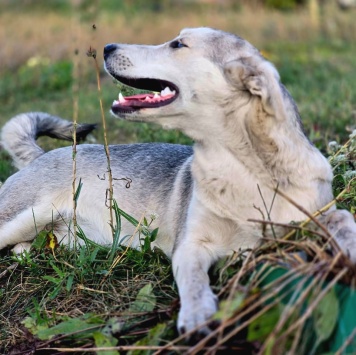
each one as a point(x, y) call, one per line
point(19, 135)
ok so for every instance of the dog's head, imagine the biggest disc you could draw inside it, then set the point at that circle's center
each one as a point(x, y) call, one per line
point(192, 81)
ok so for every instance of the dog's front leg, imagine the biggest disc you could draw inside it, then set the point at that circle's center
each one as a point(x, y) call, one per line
point(205, 239)
point(191, 262)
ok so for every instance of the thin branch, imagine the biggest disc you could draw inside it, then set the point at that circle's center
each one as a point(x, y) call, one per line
point(126, 348)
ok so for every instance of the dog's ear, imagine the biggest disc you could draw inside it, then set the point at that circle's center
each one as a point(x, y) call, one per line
point(237, 73)
point(258, 77)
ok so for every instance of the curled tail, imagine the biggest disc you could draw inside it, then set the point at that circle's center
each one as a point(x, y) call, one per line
point(19, 135)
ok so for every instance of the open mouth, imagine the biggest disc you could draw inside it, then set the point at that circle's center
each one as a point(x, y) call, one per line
point(161, 93)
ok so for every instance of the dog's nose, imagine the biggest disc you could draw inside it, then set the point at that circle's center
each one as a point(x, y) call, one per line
point(109, 48)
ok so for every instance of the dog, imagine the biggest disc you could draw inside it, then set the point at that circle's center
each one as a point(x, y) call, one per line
point(249, 141)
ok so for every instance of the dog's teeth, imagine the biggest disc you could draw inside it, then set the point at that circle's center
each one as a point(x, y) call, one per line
point(121, 98)
point(147, 98)
point(167, 91)
point(156, 96)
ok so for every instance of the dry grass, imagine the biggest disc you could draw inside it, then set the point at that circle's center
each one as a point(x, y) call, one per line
point(54, 36)
point(304, 270)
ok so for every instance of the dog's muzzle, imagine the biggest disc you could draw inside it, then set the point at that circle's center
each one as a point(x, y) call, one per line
point(108, 49)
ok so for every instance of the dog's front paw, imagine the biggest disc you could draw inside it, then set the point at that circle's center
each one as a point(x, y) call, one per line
point(341, 225)
point(195, 310)
point(21, 248)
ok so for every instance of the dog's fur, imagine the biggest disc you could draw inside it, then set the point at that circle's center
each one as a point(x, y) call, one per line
point(249, 141)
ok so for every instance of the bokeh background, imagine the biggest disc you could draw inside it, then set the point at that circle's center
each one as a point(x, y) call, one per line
point(311, 42)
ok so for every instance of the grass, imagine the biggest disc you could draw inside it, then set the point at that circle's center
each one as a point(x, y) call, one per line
point(101, 297)
point(272, 299)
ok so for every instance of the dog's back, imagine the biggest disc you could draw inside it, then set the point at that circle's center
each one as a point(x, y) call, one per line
point(147, 178)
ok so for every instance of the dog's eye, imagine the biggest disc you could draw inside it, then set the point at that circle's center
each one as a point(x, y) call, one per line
point(177, 44)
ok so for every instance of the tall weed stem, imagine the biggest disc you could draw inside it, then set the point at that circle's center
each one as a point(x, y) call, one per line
point(75, 90)
point(92, 53)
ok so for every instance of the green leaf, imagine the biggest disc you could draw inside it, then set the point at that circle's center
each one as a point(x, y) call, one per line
point(145, 300)
point(55, 291)
point(325, 316)
point(77, 192)
point(104, 340)
point(32, 325)
point(40, 240)
point(261, 327)
point(94, 254)
point(153, 337)
point(71, 326)
point(227, 308)
point(129, 218)
point(69, 282)
point(154, 235)
point(146, 247)
point(59, 272)
point(52, 279)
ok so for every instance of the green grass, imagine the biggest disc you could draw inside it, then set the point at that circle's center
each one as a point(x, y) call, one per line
point(55, 297)
point(94, 296)
point(48, 87)
point(320, 76)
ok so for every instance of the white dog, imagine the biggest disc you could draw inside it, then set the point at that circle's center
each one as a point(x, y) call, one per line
point(217, 89)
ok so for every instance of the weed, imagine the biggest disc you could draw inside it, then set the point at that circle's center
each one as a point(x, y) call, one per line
point(84, 280)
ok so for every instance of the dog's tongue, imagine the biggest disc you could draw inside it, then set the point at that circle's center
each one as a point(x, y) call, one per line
point(138, 97)
point(141, 100)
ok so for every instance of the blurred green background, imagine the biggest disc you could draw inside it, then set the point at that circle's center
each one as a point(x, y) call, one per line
point(312, 44)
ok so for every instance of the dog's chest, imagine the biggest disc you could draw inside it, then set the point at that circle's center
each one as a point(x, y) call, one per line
point(226, 187)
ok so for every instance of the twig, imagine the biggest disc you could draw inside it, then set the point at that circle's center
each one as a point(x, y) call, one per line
point(199, 346)
point(347, 342)
point(289, 309)
point(297, 336)
point(92, 53)
point(319, 212)
point(81, 287)
point(236, 278)
point(312, 217)
point(315, 302)
point(8, 269)
point(75, 91)
point(287, 226)
point(307, 213)
point(250, 307)
point(125, 348)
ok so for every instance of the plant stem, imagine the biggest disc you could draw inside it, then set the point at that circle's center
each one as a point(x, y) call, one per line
point(106, 147)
